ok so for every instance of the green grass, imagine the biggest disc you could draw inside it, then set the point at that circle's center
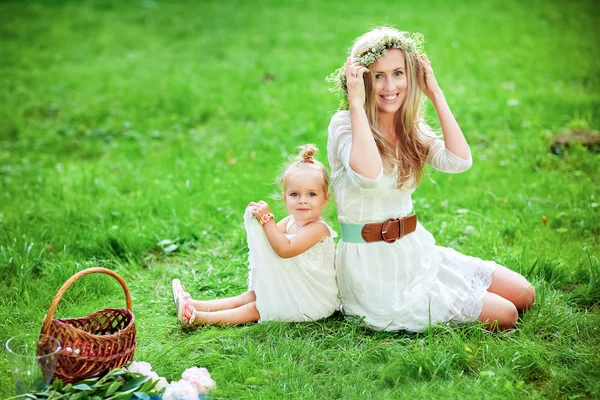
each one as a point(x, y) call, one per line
point(126, 123)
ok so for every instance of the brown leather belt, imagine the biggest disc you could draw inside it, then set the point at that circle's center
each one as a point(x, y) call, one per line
point(389, 230)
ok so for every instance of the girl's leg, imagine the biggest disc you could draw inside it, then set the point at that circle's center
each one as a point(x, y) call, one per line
point(224, 304)
point(235, 316)
point(498, 313)
point(513, 287)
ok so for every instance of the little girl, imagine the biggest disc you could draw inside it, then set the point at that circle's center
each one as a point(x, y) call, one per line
point(292, 275)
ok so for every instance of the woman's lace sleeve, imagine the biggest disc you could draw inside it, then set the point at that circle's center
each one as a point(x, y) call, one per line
point(443, 159)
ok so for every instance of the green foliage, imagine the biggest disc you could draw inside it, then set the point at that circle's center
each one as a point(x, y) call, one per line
point(118, 384)
point(124, 125)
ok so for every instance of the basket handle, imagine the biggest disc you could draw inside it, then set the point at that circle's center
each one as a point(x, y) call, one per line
point(67, 284)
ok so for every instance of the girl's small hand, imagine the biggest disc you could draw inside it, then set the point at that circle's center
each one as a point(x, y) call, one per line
point(355, 83)
point(260, 208)
point(427, 82)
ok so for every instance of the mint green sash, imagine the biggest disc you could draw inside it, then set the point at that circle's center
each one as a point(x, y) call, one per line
point(351, 233)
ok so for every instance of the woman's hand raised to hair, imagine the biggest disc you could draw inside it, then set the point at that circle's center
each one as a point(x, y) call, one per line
point(355, 83)
point(427, 82)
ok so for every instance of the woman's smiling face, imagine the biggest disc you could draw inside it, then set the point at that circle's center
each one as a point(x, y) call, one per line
point(389, 81)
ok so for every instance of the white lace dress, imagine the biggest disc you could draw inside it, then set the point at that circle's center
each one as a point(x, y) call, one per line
point(412, 282)
point(296, 289)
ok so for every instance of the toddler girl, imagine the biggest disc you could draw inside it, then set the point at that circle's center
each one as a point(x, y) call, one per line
point(292, 275)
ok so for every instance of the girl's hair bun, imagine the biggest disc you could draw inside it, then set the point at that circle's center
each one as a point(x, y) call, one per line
point(306, 153)
point(305, 161)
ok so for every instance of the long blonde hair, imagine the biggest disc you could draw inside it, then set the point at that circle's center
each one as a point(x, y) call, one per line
point(409, 152)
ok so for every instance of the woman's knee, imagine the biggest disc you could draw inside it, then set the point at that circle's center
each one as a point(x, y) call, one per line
point(526, 299)
point(510, 316)
point(513, 287)
point(498, 313)
point(506, 316)
point(523, 295)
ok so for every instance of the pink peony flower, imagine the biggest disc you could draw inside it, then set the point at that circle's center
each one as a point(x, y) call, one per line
point(200, 379)
point(180, 390)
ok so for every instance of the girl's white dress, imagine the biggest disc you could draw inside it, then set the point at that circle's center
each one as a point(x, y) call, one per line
point(412, 282)
point(296, 289)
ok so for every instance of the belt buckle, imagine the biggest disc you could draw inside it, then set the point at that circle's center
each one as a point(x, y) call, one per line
point(384, 230)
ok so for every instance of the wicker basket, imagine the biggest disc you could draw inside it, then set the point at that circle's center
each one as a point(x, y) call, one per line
point(95, 344)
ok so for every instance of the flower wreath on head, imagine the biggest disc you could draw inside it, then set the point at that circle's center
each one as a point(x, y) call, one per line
point(407, 43)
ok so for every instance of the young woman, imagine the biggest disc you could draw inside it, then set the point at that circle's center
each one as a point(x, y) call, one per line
point(389, 269)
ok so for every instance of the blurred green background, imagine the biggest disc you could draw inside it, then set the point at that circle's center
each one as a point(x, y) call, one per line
point(123, 124)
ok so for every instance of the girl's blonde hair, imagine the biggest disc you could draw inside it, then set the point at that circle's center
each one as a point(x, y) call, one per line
point(305, 159)
point(411, 149)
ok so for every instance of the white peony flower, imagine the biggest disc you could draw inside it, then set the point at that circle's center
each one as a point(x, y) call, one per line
point(145, 368)
point(180, 390)
point(141, 367)
point(200, 379)
point(194, 372)
point(162, 383)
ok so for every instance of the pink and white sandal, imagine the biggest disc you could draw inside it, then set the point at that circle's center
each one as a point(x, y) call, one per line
point(177, 289)
point(186, 313)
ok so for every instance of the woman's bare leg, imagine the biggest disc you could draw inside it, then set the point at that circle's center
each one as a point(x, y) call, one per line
point(235, 316)
point(498, 313)
point(513, 287)
point(224, 304)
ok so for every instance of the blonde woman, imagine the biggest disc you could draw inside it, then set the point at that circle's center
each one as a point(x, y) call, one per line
point(389, 270)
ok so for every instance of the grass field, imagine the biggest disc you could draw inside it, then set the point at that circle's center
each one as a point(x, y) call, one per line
point(123, 124)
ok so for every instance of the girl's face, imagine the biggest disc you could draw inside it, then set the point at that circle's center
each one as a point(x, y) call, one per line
point(304, 195)
point(389, 81)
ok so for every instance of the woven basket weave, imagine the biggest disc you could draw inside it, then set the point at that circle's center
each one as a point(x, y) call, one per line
point(95, 344)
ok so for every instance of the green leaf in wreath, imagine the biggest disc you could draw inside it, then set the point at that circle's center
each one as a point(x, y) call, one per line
point(141, 395)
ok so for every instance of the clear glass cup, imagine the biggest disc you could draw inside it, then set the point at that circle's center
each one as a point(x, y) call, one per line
point(32, 360)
